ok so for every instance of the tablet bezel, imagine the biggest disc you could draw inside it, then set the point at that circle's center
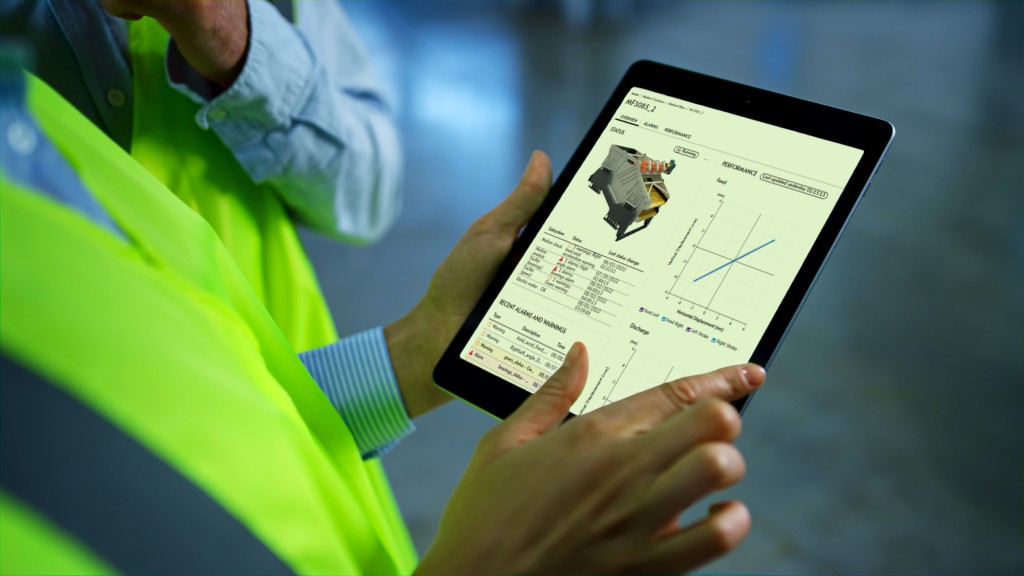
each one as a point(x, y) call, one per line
point(500, 398)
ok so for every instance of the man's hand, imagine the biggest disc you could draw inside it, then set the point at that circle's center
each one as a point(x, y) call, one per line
point(213, 35)
point(601, 493)
point(417, 341)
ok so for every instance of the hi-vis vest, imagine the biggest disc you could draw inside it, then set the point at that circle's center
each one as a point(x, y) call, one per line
point(160, 339)
point(251, 220)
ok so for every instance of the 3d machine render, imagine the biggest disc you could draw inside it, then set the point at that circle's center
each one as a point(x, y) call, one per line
point(633, 185)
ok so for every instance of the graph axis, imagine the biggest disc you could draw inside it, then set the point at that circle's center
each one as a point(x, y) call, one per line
point(608, 397)
point(724, 269)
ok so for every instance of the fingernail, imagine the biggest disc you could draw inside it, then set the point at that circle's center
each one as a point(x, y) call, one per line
point(533, 158)
point(572, 355)
point(752, 374)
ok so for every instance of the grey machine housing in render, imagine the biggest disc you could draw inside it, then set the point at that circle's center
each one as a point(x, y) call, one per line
point(633, 185)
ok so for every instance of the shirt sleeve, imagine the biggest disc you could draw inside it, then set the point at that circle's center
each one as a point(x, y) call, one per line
point(306, 116)
point(356, 375)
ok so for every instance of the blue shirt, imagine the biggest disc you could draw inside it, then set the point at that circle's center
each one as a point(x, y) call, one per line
point(305, 114)
point(355, 373)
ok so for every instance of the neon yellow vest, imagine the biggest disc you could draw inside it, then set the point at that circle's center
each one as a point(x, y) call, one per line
point(163, 336)
point(251, 220)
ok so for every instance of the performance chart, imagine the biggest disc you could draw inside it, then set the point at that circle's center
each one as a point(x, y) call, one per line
point(731, 263)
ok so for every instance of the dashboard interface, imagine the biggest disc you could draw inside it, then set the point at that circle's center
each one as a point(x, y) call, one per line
point(669, 252)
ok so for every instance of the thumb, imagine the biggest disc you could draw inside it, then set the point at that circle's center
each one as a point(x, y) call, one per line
point(549, 405)
point(517, 209)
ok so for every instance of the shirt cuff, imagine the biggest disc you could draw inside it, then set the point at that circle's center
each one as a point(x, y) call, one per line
point(356, 375)
point(275, 79)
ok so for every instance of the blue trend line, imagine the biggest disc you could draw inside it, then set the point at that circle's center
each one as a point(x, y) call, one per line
point(736, 259)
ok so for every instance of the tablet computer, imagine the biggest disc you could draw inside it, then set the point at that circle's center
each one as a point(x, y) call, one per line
point(682, 236)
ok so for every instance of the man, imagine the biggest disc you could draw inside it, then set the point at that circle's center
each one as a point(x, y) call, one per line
point(127, 324)
point(253, 113)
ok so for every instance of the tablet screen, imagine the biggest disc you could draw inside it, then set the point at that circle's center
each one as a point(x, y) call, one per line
point(669, 252)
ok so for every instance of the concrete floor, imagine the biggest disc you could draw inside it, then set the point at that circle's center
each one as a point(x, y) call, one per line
point(889, 437)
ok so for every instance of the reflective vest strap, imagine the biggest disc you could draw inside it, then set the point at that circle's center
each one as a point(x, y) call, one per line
point(104, 488)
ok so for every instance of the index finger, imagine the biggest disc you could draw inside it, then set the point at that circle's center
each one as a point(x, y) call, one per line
point(644, 411)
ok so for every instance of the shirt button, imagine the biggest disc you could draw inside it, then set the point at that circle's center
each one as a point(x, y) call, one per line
point(21, 138)
point(218, 114)
point(115, 97)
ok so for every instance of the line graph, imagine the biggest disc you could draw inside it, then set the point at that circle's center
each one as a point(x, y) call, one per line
point(731, 262)
point(638, 373)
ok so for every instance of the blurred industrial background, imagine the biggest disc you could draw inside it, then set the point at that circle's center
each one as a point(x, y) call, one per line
point(889, 436)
